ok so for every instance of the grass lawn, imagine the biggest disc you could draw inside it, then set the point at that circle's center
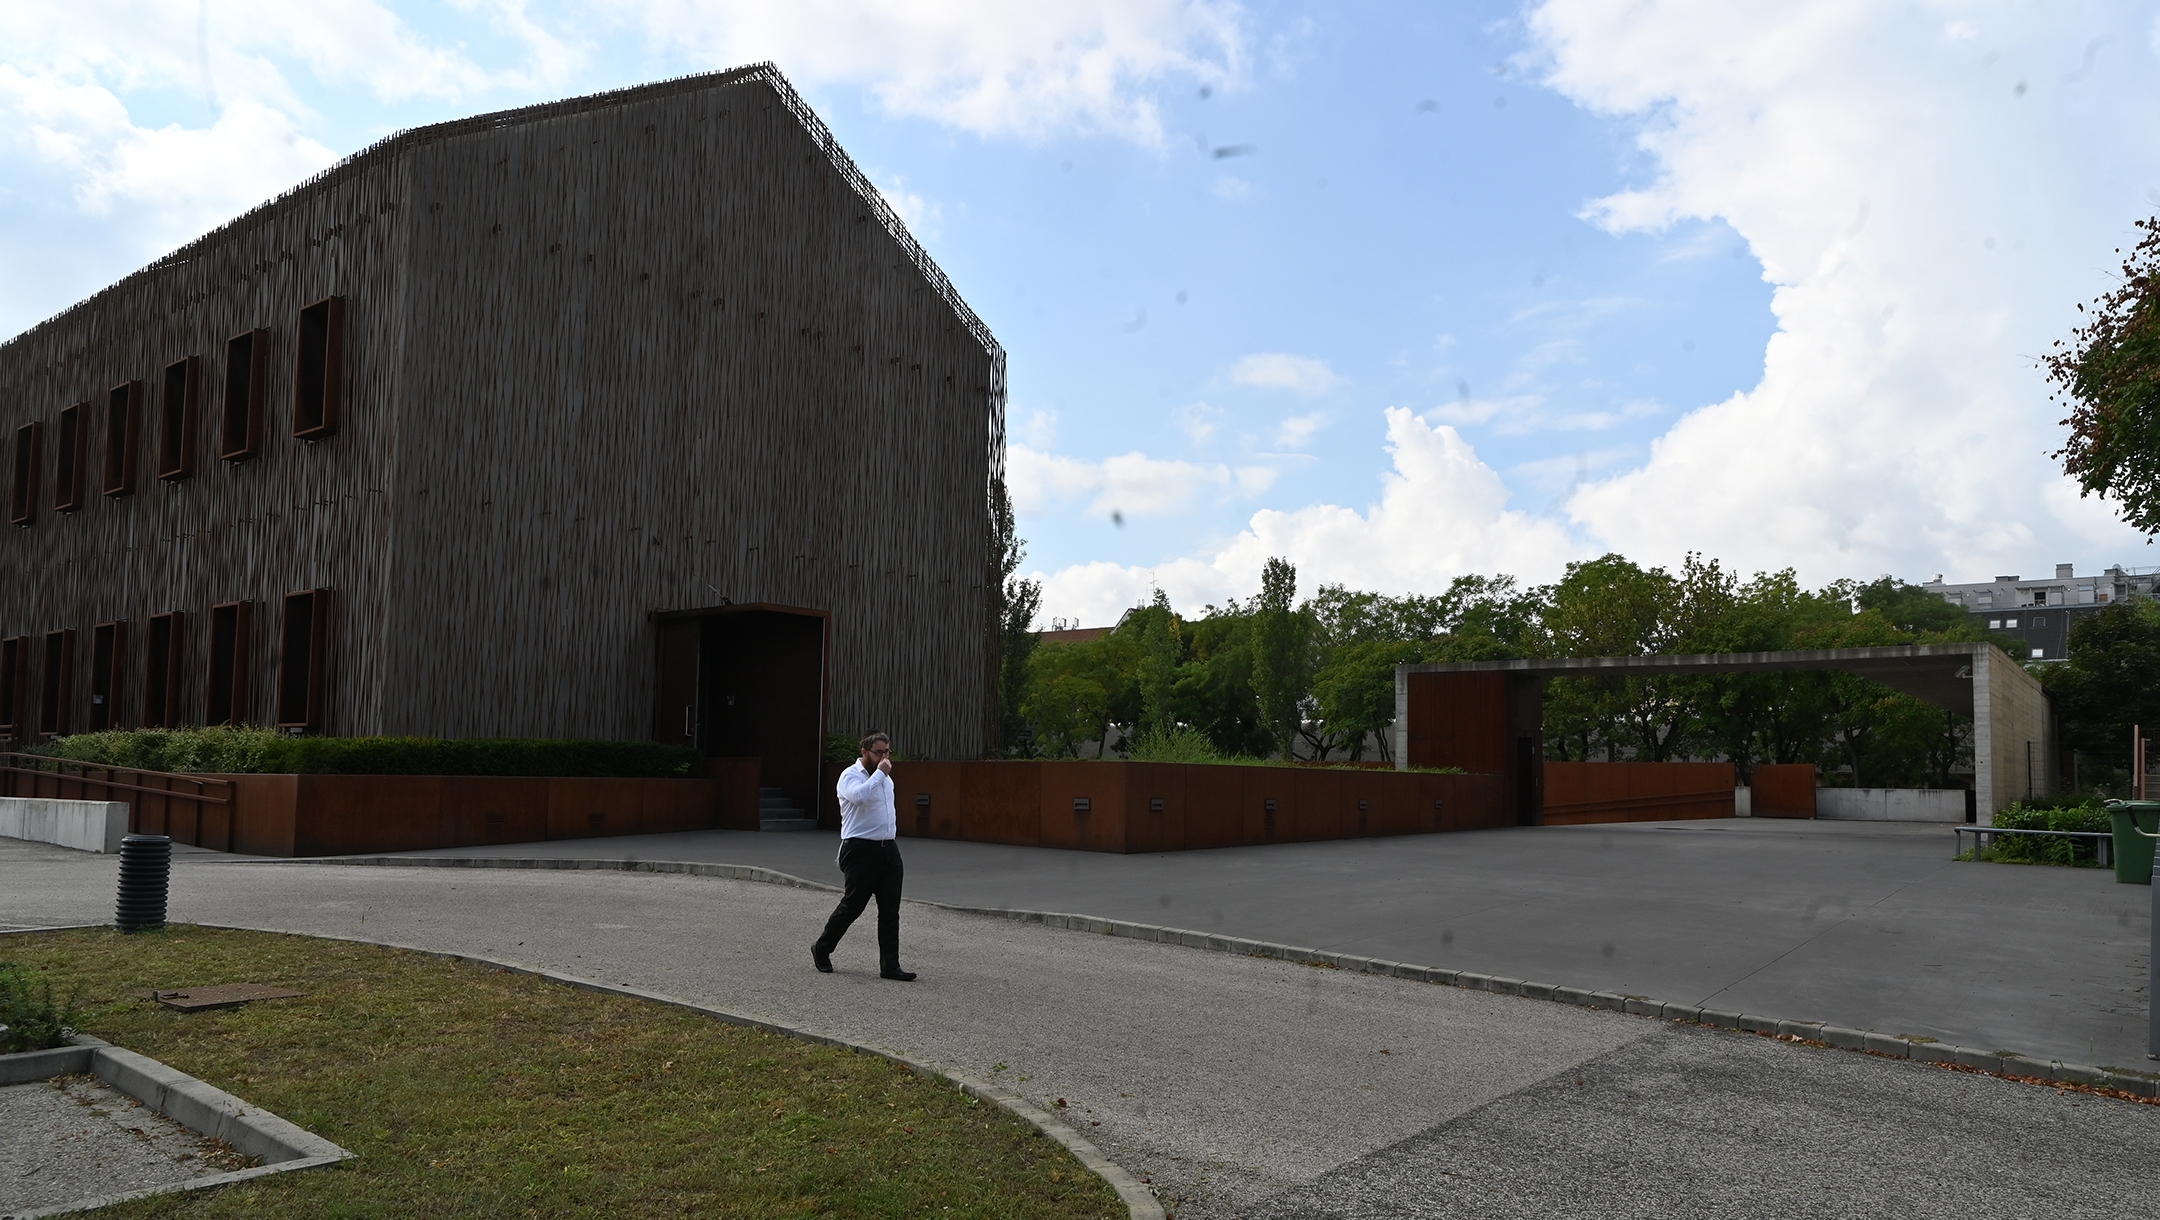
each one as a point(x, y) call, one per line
point(473, 1092)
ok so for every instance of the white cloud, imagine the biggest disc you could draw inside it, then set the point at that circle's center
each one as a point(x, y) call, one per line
point(1131, 484)
point(996, 69)
point(919, 214)
point(1566, 472)
point(1441, 513)
point(1039, 428)
point(1232, 189)
point(1929, 228)
point(1277, 371)
point(169, 183)
point(1526, 413)
point(1297, 431)
point(1199, 421)
point(75, 77)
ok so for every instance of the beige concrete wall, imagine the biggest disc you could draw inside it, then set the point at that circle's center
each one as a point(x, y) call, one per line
point(2013, 734)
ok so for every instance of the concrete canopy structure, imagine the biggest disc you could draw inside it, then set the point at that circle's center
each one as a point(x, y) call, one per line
point(2013, 726)
point(637, 415)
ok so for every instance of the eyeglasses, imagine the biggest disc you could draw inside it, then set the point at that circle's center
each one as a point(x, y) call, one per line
point(885, 750)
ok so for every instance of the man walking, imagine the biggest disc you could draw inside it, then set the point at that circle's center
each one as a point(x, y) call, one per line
point(869, 859)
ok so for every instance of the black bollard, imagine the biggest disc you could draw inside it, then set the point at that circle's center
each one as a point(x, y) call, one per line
point(145, 874)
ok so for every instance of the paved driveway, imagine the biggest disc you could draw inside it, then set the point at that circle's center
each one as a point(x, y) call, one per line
point(1248, 1087)
point(1866, 925)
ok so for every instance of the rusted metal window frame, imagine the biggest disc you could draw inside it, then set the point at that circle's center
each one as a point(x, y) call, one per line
point(53, 684)
point(238, 444)
point(69, 463)
point(161, 673)
point(108, 654)
point(302, 708)
point(123, 437)
point(231, 687)
point(29, 455)
point(318, 377)
point(14, 683)
point(176, 422)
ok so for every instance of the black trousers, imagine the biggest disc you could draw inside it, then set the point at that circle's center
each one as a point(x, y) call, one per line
point(872, 869)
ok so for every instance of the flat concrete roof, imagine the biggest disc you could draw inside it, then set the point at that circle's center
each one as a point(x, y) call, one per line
point(1938, 673)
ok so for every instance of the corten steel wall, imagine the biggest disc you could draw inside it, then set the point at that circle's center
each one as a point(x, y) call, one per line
point(654, 350)
point(1782, 790)
point(1146, 807)
point(1476, 721)
point(1581, 793)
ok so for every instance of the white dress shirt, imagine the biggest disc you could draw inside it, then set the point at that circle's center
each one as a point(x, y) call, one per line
point(866, 804)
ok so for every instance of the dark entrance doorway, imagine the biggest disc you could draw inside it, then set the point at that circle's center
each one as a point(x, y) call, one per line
point(747, 682)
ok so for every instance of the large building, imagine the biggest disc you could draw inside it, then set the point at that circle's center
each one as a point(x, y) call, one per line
point(631, 416)
point(2041, 611)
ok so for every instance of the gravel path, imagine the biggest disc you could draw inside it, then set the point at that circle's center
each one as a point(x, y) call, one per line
point(79, 1138)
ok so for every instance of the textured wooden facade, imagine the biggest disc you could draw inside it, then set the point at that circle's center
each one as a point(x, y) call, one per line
point(600, 360)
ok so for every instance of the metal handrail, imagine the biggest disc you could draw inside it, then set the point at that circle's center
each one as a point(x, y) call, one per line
point(11, 760)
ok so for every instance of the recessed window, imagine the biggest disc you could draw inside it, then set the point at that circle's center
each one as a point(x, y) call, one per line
point(108, 643)
point(2010, 623)
point(59, 666)
point(2039, 620)
point(2039, 597)
point(161, 672)
point(176, 419)
point(317, 380)
point(123, 430)
point(2039, 653)
point(240, 425)
point(226, 700)
point(300, 659)
point(68, 471)
point(22, 493)
point(1995, 624)
point(14, 683)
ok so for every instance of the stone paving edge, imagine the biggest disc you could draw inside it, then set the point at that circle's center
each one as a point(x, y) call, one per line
point(1999, 1063)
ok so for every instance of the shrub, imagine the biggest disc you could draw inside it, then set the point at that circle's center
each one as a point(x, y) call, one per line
point(250, 751)
point(1176, 744)
point(33, 1021)
point(2050, 813)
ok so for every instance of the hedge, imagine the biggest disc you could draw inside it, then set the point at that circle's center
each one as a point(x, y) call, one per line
point(266, 752)
point(2048, 813)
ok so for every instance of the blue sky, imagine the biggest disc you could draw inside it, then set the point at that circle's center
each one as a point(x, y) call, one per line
point(1398, 291)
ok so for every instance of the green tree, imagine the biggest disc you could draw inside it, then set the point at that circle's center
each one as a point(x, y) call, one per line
point(2110, 682)
point(1281, 654)
point(1213, 691)
point(1069, 692)
point(1014, 603)
point(2109, 371)
point(1355, 692)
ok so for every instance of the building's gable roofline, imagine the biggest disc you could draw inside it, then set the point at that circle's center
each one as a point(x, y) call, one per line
point(398, 142)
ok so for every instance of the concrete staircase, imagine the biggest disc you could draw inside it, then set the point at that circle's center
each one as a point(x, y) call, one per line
point(777, 812)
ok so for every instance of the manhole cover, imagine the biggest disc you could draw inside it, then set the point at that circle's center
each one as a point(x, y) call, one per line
point(222, 995)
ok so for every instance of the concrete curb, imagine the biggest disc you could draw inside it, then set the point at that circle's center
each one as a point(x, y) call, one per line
point(1999, 1063)
point(202, 1108)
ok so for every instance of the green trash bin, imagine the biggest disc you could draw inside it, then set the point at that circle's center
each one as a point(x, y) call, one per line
point(2133, 851)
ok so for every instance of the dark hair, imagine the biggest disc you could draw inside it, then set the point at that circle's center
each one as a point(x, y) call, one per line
point(872, 738)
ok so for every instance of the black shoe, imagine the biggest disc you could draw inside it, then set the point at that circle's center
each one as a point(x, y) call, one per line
point(821, 959)
point(897, 975)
